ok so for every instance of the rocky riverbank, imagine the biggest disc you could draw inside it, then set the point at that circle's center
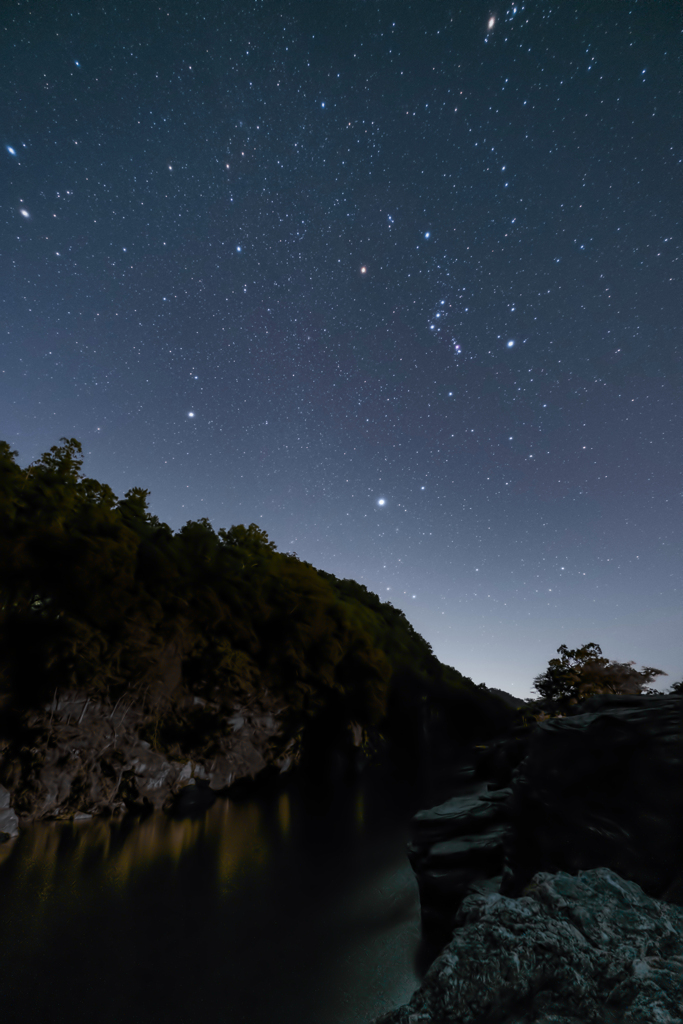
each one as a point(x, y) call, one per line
point(78, 757)
point(555, 892)
point(590, 949)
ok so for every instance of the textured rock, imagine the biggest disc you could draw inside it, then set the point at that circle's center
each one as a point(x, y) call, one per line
point(586, 949)
point(453, 848)
point(599, 788)
point(87, 757)
point(458, 816)
point(603, 787)
point(9, 823)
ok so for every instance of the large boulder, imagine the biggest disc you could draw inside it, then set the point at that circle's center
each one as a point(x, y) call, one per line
point(601, 787)
point(590, 949)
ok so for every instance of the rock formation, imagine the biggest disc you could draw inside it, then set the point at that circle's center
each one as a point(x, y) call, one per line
point(83, 756)
point(585, 949)
point(602, 787)
point(87, 754)
point(9, 823)
point(453, 846)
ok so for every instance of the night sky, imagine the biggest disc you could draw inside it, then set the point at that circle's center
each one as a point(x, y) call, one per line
point(399, 282)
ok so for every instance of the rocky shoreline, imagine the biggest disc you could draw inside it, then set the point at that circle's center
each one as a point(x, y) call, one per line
point(85, 754)
point(79, 757)
point(554, 893)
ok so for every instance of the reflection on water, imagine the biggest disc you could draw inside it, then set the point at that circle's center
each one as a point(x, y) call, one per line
point(279, 909)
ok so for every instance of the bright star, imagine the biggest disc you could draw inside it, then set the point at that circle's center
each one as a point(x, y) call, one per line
point(190, 414)
point(381, 501)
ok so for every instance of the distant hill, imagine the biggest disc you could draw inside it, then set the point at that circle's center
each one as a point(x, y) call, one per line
point(101, 599)
point(508, 698)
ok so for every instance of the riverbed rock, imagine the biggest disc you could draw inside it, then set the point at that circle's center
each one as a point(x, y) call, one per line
point(586, 949)
point(455, 847)
point(602, 787)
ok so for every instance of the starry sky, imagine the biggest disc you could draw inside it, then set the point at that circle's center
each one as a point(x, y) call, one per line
point(398, 281)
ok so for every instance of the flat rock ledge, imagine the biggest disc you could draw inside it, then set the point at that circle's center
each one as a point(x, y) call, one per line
point(590, 948)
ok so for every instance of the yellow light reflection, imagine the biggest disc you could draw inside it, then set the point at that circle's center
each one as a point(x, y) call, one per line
point(242, 844)
point(125, 850)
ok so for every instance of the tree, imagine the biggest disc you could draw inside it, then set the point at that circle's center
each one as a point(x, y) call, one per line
point(676, 689)
point(583, 672)
point(252, 538)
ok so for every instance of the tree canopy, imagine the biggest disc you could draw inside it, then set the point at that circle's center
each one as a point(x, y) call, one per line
point(97, 593)
point(583, 672)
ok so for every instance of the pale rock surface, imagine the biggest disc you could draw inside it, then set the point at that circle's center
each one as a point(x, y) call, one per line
point(88, 758)
point(585, 949)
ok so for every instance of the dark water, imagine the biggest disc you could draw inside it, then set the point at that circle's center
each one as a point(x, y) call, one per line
point(281, 909)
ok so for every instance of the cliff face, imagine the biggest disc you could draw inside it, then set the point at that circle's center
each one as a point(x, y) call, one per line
point(84, 756)
point(603, 786)
point(555, 894)
point(86, 753)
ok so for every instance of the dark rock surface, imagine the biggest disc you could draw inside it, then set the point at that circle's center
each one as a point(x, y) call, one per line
point(586, 949)
point(601, 787)
point(86, 753)
point(453, 847)
point(9, 823)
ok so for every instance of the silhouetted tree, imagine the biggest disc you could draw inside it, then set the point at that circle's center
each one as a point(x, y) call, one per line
point(582, 672)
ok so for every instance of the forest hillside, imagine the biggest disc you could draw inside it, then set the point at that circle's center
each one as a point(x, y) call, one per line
point(98, 598)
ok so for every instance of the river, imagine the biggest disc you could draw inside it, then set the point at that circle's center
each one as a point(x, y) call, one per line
point(288, 908)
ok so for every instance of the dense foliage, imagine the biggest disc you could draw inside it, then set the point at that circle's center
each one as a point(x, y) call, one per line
point(583, 672)
point(98, 594)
